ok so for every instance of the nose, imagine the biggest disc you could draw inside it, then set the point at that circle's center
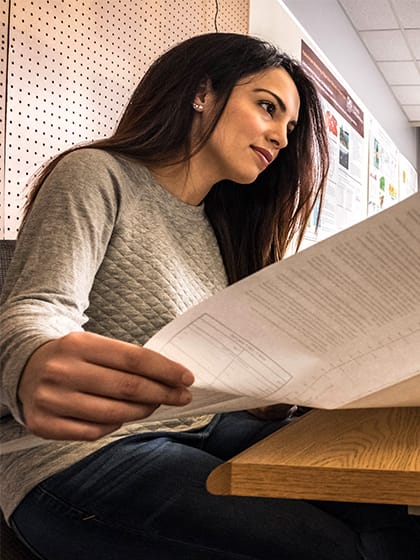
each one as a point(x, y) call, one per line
point(279, 136)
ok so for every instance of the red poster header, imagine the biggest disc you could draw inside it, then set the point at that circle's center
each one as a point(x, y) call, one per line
point(331, 89)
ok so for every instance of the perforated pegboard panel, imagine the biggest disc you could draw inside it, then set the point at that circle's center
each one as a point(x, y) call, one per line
point(72, 65)
point(4, 15)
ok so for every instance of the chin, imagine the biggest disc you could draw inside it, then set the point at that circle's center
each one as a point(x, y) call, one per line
point(246, 179)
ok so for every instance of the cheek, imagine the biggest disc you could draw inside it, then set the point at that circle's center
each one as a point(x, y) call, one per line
point(250, 125)
point(237, 129)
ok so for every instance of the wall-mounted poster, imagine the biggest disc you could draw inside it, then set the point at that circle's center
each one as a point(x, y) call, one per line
point(345, 197)
point(383, 187)
point(408, 178)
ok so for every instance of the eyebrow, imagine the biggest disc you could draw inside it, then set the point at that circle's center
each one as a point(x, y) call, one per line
point(277, 98)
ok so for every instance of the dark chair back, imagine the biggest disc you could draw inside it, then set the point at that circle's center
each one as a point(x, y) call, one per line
point(11, 548)
point(7, 246)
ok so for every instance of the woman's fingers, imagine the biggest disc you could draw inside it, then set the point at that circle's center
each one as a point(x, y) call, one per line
point(91, 408)
point(83, 377)
point(71, 429)
point(123, 356)
point(157, 380)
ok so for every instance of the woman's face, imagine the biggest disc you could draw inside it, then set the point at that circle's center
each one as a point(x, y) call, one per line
point(261, 111)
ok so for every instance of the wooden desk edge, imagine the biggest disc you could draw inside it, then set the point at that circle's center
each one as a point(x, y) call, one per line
point(243, 475)
point(219, 481)
point(232, 479)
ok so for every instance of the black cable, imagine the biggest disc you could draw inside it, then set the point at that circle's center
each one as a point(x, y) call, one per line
point(215, 15)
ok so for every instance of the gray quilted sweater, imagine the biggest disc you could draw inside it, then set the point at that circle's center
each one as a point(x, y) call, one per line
point(106, 249)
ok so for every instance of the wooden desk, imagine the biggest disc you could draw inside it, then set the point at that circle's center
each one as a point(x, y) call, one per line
point(360, 455)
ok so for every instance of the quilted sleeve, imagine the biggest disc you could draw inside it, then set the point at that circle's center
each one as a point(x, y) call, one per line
point(55, 261)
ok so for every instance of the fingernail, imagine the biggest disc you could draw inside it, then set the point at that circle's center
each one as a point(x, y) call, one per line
point(185, 397)
point(187, 378)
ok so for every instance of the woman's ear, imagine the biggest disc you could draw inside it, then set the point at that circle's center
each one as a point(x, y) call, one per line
point(204, 96)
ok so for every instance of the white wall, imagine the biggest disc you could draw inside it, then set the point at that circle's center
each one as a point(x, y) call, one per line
point(329, 27)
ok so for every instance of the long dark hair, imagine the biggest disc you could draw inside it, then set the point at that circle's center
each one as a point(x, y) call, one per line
point(254, 223)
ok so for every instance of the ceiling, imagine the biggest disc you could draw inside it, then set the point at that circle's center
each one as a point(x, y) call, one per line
point(390, 30)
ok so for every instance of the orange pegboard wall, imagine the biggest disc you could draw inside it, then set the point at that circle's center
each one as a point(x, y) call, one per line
point(68, 68)
point(4, 15)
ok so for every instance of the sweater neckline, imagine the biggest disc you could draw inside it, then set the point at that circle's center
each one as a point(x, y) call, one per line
point(171, 202)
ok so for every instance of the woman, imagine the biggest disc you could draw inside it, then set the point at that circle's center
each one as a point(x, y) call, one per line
point(210, 175)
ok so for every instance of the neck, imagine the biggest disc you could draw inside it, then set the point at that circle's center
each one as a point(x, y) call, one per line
point(188, 181)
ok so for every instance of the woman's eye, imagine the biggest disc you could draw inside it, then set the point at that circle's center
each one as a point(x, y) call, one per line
point(268, 107)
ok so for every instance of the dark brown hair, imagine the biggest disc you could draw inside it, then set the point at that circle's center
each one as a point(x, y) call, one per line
point(254, 223)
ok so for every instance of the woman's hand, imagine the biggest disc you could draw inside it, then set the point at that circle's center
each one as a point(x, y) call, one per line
point(273, 412)
point(83, 386)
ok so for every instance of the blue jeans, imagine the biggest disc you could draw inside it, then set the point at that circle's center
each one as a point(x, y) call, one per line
point(144, 497)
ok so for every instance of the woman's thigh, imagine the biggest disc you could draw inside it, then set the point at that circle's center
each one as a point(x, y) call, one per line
point(146, 499)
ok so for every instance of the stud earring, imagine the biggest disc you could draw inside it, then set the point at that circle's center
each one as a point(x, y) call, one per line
point(198, 107)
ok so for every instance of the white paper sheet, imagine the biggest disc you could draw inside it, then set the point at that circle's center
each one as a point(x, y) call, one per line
point(336, 325)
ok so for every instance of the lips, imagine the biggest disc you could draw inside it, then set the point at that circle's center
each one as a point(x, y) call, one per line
point(265, 155)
